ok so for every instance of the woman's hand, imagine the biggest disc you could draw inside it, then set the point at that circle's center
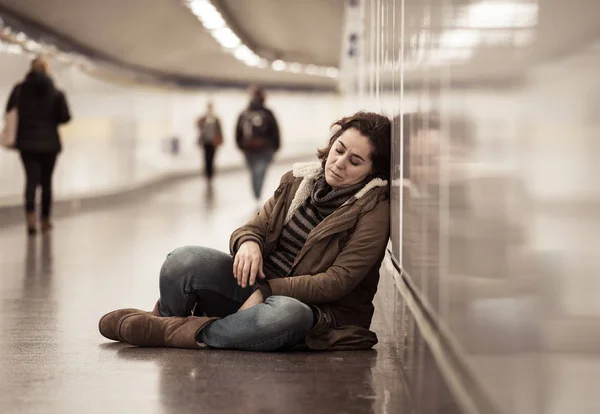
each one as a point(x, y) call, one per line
point(248, 264)
point(255, 299)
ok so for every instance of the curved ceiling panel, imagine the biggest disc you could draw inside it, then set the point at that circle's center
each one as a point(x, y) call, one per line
point(304, 31)
point(164, 37)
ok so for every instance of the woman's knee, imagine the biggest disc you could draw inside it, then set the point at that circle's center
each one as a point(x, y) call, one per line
point(179, 262)
point(288, 311)
point(189, 262)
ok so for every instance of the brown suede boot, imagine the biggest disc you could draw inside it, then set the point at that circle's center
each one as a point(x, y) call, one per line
point(173, 332)
point(31, 223)
point(109, 323)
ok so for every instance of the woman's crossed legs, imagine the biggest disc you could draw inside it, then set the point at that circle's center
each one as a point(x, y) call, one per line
point(200, 280)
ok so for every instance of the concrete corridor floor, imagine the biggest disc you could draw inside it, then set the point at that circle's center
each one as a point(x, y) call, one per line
point(54, 288)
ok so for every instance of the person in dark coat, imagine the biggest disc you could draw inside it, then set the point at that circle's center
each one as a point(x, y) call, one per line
point(41, 109)
point(257, 135)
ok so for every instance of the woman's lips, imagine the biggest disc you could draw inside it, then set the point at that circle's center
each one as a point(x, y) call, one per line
point(335, 174)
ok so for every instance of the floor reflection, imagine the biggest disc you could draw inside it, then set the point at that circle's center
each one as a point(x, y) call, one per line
point(231, 381)
point(209, 196)
point(38, 272)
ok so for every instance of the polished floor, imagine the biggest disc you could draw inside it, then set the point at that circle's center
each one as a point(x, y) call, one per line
point(54, 288)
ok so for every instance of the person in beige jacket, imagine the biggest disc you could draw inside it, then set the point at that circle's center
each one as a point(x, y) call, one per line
point(302, 273)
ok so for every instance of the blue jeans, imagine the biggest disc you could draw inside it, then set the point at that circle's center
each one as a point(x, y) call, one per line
point(258, 163)
point(199, 280)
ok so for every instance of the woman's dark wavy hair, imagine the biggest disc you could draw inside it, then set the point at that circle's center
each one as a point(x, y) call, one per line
point(377, 128)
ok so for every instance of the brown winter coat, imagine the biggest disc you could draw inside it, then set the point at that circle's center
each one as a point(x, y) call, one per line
point(337, 269)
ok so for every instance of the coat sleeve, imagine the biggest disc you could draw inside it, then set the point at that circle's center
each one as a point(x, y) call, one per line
point(219, 130)
point(12, 99)
point(256, 228)
point(63, 114)
point(199, 123)
point(275, 131)
point(238, 132)
point(218, 136)
point(364, 250)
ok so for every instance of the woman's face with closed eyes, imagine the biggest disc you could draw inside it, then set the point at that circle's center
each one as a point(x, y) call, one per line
point(349, 160)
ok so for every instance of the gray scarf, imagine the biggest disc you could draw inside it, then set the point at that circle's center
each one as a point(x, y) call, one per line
point(327, 199)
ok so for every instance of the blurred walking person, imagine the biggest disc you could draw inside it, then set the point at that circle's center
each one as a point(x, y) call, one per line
point(41, 109)
point(211, 138)
point(257, 135)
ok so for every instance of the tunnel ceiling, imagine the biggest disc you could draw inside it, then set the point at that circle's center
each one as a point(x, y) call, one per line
point(164, 37)
point(305, 31)
point(563, 27)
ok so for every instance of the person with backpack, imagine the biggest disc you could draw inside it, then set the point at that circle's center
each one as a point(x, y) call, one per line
point(41, 109)
point(211, 138)
point(257, 135)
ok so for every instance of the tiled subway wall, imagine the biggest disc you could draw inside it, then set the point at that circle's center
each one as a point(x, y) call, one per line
point(495, 203)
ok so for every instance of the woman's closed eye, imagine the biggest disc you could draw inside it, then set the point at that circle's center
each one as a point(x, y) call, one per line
point(341, 152)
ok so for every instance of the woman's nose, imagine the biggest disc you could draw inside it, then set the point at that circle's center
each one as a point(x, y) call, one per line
point(340, 163)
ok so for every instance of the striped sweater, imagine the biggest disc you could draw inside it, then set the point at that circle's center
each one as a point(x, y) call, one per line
point(322, 202)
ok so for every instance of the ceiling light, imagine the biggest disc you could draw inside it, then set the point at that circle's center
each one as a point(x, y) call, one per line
point(296, 67)
point(213, 21)
point(460, 38)
point(10, 48)
point(32, 45)
point(332, 72)
point(495, 14)
point(207, 13)
point(252, 60)
point(278, 65)
point(311, 69)
point(226, 38)
point(242, 52)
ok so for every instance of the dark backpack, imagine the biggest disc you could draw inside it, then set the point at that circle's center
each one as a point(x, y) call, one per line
point(255, 130)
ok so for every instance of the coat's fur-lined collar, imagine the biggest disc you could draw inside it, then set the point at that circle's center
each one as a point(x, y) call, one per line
point(309, 171)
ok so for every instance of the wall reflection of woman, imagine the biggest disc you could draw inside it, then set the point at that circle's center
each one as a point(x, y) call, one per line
point(433, 187)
